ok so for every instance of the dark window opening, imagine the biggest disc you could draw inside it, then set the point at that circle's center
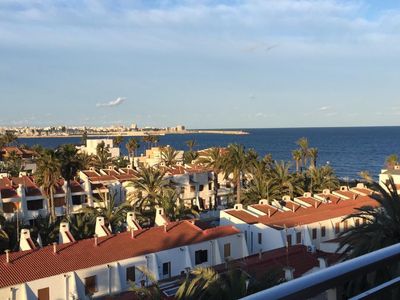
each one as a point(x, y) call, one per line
point(34, 204)
point(201, 256)
point(90, 285)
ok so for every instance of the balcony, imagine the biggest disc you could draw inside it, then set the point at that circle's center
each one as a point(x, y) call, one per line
point(329, 281)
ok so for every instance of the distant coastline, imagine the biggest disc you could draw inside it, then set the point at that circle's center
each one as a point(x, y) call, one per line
point(139, 133)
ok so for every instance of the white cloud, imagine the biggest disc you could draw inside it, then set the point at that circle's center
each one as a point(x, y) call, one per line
point(112, 103)
point(324, 108)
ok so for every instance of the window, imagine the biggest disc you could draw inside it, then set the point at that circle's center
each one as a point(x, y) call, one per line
point(337, 228)
point(314, 233)
point(298, 237)
point(76, 200)
point(44, 294)
point(345, 225)
point(90, 285)
point(289, 240)
point(323, 231)
point(59, 202)
point(9, 207)
point(34, 204)
point(200, 256)
point(210, 186)
point(130, 274)
point(166, 267)
point(227, 250)
point(357, 222)
point(259, 238)
point(201, 187)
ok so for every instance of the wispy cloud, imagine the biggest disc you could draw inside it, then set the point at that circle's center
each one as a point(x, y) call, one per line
point(112, 103)
point(324, 108)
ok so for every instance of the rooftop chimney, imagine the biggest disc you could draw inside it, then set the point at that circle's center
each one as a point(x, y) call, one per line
point(65, 235)
point(7, 255)
point(289, 273)
point(161, 219)
point(132, 233)
point(238, 206)
point(54, 247)
point(322, 263)
point(131, 221)
point(269, 213)
point(95, 240)
point(25, 241)
point(101, 228)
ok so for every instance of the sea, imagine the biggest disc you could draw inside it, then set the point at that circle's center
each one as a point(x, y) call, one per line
point(348, 150)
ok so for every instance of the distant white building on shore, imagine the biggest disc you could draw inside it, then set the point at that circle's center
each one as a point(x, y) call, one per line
point(91, 147)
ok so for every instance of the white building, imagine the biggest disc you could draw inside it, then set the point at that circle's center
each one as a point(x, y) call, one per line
point(91, 147)
point(386, 174)
point(313, 221)
point(110, 264)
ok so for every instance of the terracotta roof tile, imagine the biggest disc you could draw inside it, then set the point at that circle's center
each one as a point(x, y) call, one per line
point(41, 263)
point(243, 215)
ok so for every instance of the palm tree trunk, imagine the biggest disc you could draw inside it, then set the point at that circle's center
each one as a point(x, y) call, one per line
point(215, 190)
point(238, 189)
point(67, 196)
point(52, 208)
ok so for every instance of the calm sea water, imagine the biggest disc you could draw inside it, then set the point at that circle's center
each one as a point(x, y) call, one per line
point(348, 150)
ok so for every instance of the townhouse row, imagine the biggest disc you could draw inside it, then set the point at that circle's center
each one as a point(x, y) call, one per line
point(311, 220)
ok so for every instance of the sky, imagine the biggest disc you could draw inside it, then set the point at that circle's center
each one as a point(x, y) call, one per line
point(200, 63)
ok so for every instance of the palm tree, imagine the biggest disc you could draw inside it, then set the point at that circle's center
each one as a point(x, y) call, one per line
point(380, 228)
point(298, 158)
point(284, 180)
point(70, 165)
point(203, 284)
point(322, 178)
point(313, 154)
point(46, 229)
point(365, 176)
point(81, 226)
point(391, 161)
point(191, 144)
point(132, 145)
point(260, 187)
point(149, 185)
point(168, 156)
point(190, 156)
point(235, 164)
point(117, 140)
point(102, 158)
point(13, 164)
point(303, 144)
point(9, 138)
point(213, 159)
point(115, 215)
point(86, 160)
point(174, 207)
point(151, 290)
point(147, 139)
point(84, 137)
point(47, 176)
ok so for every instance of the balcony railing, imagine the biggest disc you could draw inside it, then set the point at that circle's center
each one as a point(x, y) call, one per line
point(326, 279)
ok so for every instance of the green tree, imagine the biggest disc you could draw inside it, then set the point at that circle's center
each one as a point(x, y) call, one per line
point(70, 165)
point(214, 160)
point(391, 161)
point(117, 140)
point(313, 155)
point(286, 183)
point(131, 146)
point(379, 228)
point(174, 207)
point(47, 230)
point(13, 164)
point(47, 176)
point(102, 159)
point(303, 144)
point(191, 144)
point(322, 178)
point(298, 159)
point(169, 156)
point(81, 225)
point(190, 156)
point(149, 186)
point(115, 215)
point(235, 164)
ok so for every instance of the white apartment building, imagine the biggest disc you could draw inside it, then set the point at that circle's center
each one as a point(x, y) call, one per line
point(153, 158)
point(91, 147)
point(314, 221)
point(110, 264)
point(385, 175)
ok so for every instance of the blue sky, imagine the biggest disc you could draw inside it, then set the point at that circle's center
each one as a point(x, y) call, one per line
point(205, 64)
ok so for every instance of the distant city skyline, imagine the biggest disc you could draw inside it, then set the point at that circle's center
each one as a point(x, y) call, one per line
point(202, 64)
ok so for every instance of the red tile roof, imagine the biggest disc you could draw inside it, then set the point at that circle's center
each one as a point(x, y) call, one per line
point(41, 263)
point(323, 212)
point(266, 209)
point(243, 215)
point(7, 189)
